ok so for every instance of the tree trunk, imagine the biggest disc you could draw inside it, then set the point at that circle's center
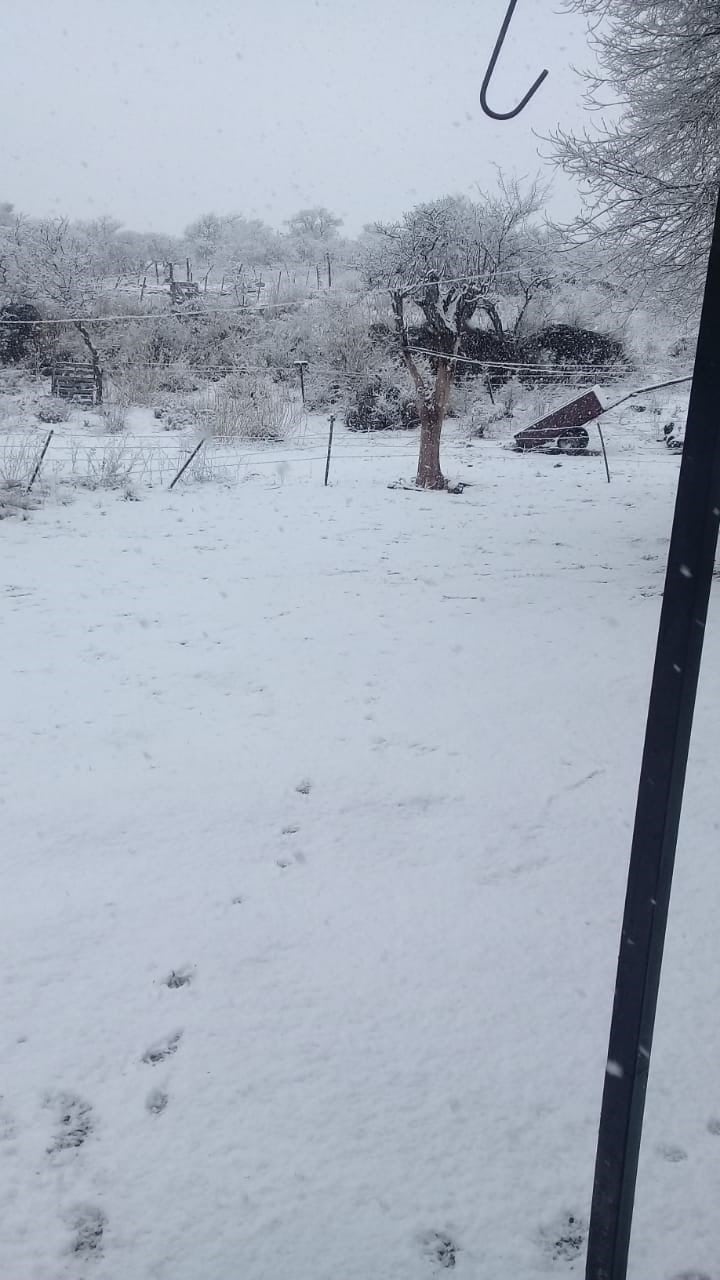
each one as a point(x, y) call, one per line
point(432, 416)
point(95, 357)
point(429, 472)
point(431, 407)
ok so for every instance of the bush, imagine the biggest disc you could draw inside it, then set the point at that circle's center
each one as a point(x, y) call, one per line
point(17, 463)
point(249, 407)
point(54, 410)
point(569, 344)
point(114, 416)
point(19, 335)
point(381, 406)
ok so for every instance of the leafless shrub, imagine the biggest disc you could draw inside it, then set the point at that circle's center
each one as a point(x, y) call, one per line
point(115, 418)
point(249, 407)
point(134, 385)
point(110, 466)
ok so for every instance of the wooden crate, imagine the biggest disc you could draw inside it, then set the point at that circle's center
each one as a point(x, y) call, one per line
point(76, 382)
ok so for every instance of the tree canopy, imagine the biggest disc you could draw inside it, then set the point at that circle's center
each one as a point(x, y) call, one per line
point(649, 172)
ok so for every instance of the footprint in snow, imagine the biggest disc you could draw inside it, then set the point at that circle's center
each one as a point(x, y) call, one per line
point(564, 1239)
point(304, 787)
point(713, 1126)
point(179, 978)
point(162, 1049)
point(75, 1123)
point(673, 1155)
point(88, 1224)
point(156, 1101)
point(440, 1249)
point(290, 830)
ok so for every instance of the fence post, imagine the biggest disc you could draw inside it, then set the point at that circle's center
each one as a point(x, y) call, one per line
point(39, 462)
point(301, 366)
point(330, 440)
point(604, 451)
point(187, 462)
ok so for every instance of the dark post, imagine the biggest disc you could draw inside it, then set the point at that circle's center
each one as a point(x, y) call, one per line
point(604, 451)
point(301, 366)
point(317, 272)
point(327, 256)
point(39, 462)
point(186, 463)
point(688, 580)
point(330, 438)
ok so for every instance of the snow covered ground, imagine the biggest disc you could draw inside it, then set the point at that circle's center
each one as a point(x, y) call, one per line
point(316, 811)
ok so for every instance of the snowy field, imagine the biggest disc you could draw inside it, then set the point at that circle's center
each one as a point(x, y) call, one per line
point(316, 813)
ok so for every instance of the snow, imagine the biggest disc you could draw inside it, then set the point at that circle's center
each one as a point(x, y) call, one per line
point(316, 815)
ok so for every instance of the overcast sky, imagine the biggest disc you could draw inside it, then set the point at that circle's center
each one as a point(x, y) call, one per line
point(155, 111)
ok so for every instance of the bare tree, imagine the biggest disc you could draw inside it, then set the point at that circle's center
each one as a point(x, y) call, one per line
point(649, 175)
point(55, 262)
point(460, 264)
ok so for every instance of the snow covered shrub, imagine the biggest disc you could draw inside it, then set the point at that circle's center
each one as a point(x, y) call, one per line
point(17, 462)
point(53, 409)
point(134, 385)
point(249, 407)
point(19, 335)
point(108, 467)
point(176, 377)
point(176, 415)
point(380, 405)
point(569, 345)
point(114, 416)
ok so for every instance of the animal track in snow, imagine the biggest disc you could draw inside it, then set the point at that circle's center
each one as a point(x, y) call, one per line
point(88, 1224)
point(156, 1101)
point(713, 1125)
point(564, 1239)
point(179, 978)
point(75, 1123)
point(440, 1248)
point(162, 1049)
point(674, 1155)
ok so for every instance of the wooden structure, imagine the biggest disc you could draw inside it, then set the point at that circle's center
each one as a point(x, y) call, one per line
point(77, 381)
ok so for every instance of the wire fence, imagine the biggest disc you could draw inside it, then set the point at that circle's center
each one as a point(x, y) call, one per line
point(128, 460)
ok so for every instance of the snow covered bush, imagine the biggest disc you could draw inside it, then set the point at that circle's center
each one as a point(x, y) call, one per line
point(53, 409)
point(249, 407)
point(108, 467)
point(379, 405)
point(114, 417)
point(17, 462)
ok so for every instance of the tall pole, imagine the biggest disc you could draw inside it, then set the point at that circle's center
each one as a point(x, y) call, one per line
point(330, 440)
point(688, 580)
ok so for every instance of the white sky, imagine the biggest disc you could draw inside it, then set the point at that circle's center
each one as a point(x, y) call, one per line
point(155, 111)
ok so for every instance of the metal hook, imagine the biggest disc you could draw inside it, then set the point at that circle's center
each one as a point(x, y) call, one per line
point(505, 115)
